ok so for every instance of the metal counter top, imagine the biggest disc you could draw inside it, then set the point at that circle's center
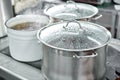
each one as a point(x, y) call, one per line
point(10, 69)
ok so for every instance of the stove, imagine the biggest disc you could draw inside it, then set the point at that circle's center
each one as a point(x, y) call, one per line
point(11, 69)
point(113, 60)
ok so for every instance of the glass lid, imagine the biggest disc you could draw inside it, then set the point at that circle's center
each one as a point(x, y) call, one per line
point(72, 11)
point(75, 36)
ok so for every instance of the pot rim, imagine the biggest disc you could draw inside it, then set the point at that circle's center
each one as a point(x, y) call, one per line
point(76, 50)
point(27, 16)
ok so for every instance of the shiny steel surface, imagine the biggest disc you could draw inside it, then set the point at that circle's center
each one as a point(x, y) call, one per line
point(61, 65)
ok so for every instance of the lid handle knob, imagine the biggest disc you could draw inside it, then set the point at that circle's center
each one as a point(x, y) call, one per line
point(71, 2)
point(71, 28)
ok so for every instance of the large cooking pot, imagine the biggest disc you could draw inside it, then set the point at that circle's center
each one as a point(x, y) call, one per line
point(74, 51)
point(22, 30)
point(72, 11)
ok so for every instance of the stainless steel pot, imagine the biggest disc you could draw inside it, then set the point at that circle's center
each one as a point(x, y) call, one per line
point(6, 12)
point(72, 11)
point(74, 51)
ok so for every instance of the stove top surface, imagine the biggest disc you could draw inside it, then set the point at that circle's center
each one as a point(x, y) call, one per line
point(7, 63)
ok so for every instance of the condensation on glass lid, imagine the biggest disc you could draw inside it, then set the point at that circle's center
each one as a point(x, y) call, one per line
point(73, 14)
point(72, 36)
point(71, 11)
point(70, 42)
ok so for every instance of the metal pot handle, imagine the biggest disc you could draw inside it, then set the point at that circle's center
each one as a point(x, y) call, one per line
point(94, 54)
point(71, 2)
point(96, 17)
